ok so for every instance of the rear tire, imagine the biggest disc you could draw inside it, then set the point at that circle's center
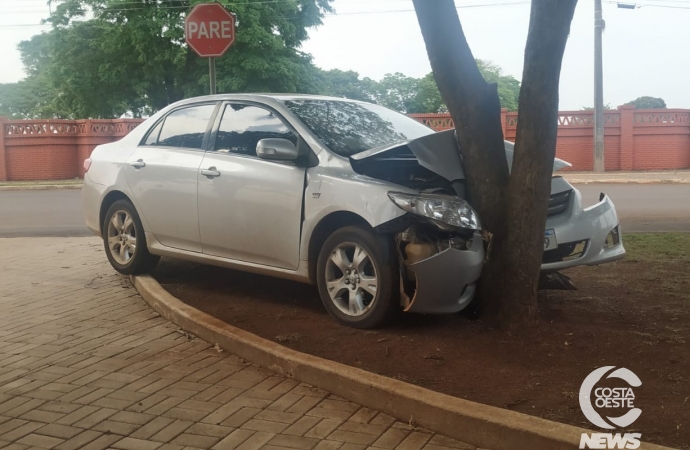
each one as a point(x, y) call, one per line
point(125, 241)
point(357, 275)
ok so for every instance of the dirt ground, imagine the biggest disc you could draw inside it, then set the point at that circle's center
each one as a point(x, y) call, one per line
point(634, 313)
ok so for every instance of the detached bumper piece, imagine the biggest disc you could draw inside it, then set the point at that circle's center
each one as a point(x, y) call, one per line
point(438, 277)
point(613, 238)
point(586, 236)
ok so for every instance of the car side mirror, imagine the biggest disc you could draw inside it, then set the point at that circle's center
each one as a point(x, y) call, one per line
point(276, 149)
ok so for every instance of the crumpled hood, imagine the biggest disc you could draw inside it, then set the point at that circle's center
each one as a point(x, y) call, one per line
point(438, 153)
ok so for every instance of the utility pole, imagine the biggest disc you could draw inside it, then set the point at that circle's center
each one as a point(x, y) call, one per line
point(598, 89)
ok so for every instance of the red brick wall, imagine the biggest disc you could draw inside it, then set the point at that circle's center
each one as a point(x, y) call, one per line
point(54, 149)
point(654, 139)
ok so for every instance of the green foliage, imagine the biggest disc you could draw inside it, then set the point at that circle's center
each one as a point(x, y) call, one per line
point(339, 83)
point(109, 58)
point(648, 103)
point(130, 58)
point(591, 108)
point(508, 86)
point(410, 95)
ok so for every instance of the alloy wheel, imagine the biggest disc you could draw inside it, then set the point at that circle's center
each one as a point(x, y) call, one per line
point(351, 279)
point(122, 237)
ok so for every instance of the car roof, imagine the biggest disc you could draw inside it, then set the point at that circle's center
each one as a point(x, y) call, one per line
point(264, 96)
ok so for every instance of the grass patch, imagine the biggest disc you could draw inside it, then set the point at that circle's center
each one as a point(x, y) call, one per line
point(667, 247)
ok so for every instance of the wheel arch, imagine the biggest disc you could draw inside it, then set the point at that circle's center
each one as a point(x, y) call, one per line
point(325, 228)
point(110, 198)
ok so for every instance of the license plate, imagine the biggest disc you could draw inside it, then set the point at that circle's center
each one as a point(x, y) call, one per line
point(550, 242)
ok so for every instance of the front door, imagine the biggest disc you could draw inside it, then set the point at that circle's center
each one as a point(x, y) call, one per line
point(250, 209)
point(162, 174)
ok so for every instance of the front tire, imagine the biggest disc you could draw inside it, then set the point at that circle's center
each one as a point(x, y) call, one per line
point(124, 240)
point(357, 276)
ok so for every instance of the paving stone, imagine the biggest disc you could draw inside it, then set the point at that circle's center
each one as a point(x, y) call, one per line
point(352, 437)
point(151, 428)
point(302, 426)
point(112, 427)
point(38, 440)
point(136, 444)
point(37, 415)
point(195, 440)
point(448, 442)
point(171, 431)
point(21, 431)
point(391, 438)
point(414, 441)
point(234, 440)
point(283, 440)
point(264, 425)
point(132, 417)
point(80, 440)
point(86, 364)
point(324, 428)
point(59, 431)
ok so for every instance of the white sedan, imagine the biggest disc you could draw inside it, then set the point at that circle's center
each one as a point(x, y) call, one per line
point(364, 202)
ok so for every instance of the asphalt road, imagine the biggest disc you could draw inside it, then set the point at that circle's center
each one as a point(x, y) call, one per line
point(42, 213)
point(641, 208)
point(645, 207)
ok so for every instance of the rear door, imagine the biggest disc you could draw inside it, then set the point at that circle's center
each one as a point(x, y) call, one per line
point(250, 209)
point(162, 174)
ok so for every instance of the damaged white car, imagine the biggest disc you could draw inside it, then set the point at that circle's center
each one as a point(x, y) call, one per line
point(362, 201)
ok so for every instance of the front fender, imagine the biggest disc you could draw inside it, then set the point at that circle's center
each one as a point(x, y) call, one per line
point(337, 189)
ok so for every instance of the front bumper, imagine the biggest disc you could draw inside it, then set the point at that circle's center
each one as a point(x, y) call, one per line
point(446, 280)
point(588, 227)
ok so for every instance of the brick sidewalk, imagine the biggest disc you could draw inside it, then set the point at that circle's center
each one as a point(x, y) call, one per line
point(85, 363)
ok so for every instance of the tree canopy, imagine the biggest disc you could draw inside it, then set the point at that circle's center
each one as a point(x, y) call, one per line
point(408, 94)
point(109, 58)
point(648, 103)
point(106, 58)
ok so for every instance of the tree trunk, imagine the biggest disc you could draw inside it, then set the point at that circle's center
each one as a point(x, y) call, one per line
point(535, 149)
point(512, 209)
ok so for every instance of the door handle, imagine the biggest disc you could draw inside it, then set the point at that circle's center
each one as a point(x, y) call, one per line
point(211, 172)
point(138, 164)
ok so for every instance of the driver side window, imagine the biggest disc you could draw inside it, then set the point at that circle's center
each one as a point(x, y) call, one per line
point(243, 126)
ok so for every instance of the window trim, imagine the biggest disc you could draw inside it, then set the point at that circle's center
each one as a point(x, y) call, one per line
point(219, 119)
point(207, 133)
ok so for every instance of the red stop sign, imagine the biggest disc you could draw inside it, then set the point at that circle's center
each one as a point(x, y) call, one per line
point(209, 29)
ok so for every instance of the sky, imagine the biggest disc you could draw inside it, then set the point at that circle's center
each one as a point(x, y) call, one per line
point(645, 49)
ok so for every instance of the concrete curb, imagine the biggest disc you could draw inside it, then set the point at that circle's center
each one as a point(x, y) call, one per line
point(40, 187)
point(480, 425)
point(627, 181)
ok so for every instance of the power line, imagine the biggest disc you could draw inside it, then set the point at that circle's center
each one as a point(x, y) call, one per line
point(650, 5)
point(180, 8)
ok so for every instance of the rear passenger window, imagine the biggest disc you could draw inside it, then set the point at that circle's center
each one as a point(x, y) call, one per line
point(152, 138)
point(243, 126)
point(186, 127)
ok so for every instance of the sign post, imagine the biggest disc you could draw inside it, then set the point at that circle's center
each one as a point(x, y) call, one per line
point(212, 74)
point(209, 30)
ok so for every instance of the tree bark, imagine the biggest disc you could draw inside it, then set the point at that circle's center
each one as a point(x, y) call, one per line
point(512, 208)
point(475, 108)
point(535, 149)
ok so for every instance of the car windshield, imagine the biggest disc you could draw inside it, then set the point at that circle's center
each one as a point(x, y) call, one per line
point(348, 127)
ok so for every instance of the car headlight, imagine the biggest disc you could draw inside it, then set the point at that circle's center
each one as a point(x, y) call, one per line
point(441, 209)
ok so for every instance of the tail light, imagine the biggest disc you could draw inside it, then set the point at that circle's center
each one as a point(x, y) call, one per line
point(87, 164)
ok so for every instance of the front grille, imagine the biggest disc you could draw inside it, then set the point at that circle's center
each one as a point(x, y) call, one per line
point(566, 252)
point(558, 203)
